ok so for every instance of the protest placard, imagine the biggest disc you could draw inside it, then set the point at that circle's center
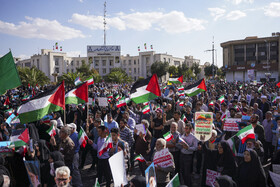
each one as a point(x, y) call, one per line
point(103, 101)
point(10, 118)
point(140, 128)
point(90, 101)
point(246, 118)
point(276, 168)
point(231, 124)
point(5, 149)
point(150, 176)
point(163, 158)
point(203, 125)
point(275, 178)
point(118, 169)
point(211, 177)
point(33, 171)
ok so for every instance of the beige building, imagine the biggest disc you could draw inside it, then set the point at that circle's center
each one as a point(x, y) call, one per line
point(252, 58)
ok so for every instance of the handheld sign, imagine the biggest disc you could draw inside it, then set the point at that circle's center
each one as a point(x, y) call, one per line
point(203, 125)
point(150, 176)
point(118, 169)
point(211, 177)
point(163, 158)
point(231, 124)
point(140, 128)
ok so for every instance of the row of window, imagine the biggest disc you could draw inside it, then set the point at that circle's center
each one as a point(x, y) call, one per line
point(104, 62)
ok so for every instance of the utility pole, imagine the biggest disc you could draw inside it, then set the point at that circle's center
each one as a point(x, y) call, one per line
point(104, 22)
point(213, 54)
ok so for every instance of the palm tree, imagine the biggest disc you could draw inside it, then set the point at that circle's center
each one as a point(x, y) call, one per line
point(118, 76)
point(69, 78)
point(32, 76)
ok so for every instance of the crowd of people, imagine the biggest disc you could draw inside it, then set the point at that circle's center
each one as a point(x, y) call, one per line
point(62, 158)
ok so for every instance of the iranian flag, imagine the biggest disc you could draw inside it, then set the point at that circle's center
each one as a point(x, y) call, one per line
point(181, 94)
point(51, 131)
point(10, 111)
point(25, 98)
point(145, 90)
point(90, 81)
point(246, 133)
point(106, 145)
point(146, 103)
point(43, 104)
point(110, 96)
point(121, 102)
point(140, 158)
point(181, 88)
point(241, 86)
point(176, 80)
point(196, 88)
point(260, 88)
point(78, 81)
point(77, 95)
point(164, 87)
point(19, 137)
point(183, 118)
point(222, 99)
point(181, 103)
point(211, 103)
point(168, 136)
point(146, 109)
point(274, 99)
point(175, 182)
point(82, 138)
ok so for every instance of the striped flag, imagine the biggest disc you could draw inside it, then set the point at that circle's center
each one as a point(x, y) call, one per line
point(51, 131)
point(183, 118)
point(168, 136)
point(222, 99)
point(78, 81)
point(181, 88)
point(106, 145)
point(121, 102)
point(146, 109)
point(175, 182)
point(140, 158)
point(82, 138)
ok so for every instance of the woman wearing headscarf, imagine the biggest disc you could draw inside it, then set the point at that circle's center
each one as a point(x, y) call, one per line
point(56, 159)
point(224, 181)
point(226, 164)
point(251, 172)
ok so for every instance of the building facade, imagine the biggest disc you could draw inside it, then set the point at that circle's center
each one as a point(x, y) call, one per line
point(252, 59)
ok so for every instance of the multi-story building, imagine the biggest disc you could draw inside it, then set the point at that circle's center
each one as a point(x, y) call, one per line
point(252, 58)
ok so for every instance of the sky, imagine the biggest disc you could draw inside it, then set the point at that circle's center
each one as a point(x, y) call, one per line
point(177, 27)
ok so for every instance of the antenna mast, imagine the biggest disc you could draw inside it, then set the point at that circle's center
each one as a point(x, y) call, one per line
point(104, 22)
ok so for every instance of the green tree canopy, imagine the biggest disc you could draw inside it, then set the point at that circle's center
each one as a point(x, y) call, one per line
point(196, 69)
point(118, 75)
point(69, 78)
point(32, 76)
point(173, 70)
point(208, 70)
point(159, 68)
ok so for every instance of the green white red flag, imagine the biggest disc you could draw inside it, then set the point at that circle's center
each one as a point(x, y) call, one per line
point(51, 131)
point(196, 88)
point(121, 102)
point(222, 99)
point(168, 136)
point(146, 109)
point(77, 95)
point(106, 145)
point(246, 133)
point(140, 158)
point(82, 138)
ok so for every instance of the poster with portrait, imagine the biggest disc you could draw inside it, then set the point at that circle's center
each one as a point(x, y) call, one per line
point(150, 175)
point(33, 171)
point(203, 125)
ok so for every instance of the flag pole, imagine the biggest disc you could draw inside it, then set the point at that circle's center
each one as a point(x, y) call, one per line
point(64, 111)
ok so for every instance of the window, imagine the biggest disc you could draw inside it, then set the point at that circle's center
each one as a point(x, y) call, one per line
point(129, 71)
point(134, 70)
point(96, 62)
point(67, 70)
point(164, 59)
point(38, 63)
point(78, 63)
point(134, 62)
point(72, 63)
point(103, 62)
point(57, 70)
point(111, 62)
point(104, 70)
point(56, 61)
point(72, 70)
point(129, 62)
point(124, 62)
point(138, 61)
point(28, 64)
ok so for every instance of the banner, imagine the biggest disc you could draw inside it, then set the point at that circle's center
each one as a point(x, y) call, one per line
point(163, 158)
point(118, 169)
point(140, 128)
point(231, 124)
point(33, 171)
point(211, 177)
point(203, 125)
point(150, 175)
point(102, 101)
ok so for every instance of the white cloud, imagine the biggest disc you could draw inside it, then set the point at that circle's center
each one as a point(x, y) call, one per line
point(172, 22)
point(235, 15)
point(273, 9)
point(81, 1)
point(236, 2)
point(217, 13)
point(40, 28)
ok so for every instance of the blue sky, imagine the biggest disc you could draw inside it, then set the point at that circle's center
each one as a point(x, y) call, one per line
point(178, 27)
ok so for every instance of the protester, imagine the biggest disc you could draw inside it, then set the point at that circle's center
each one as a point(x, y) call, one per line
point(62, 176)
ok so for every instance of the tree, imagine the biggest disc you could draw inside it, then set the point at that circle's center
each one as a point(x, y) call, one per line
point(189, 74)
point(69, 78)
point(84, 69)
point(182, 70)
point(196, 69)
point(208, 70)
point(32, 76)
point(118, 75)
point(173, 70)
point(159, 68)
point(221, 73)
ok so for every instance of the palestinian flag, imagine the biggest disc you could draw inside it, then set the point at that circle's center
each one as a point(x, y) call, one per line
point(51, 131)
point(78, 81)
point(176, 80)
point(7, 101)
point(181, 103)
point(175, 182)
point(77, 95)
point(140, 158)
point(90, 81)
point(127, 100)
point(145, 90)
point(211, 103)
point(82, 138)
point(110, 96)
point(146, 109)
point(196, 88)
point(121, 102)
point(260, 88)
point(106, 145)
point(246, 133)
point(241, 86)
point(222, 99)
point(168, 136)
point(181, 88)
point(183, 118)
point(43, 104)
point(20, 137)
